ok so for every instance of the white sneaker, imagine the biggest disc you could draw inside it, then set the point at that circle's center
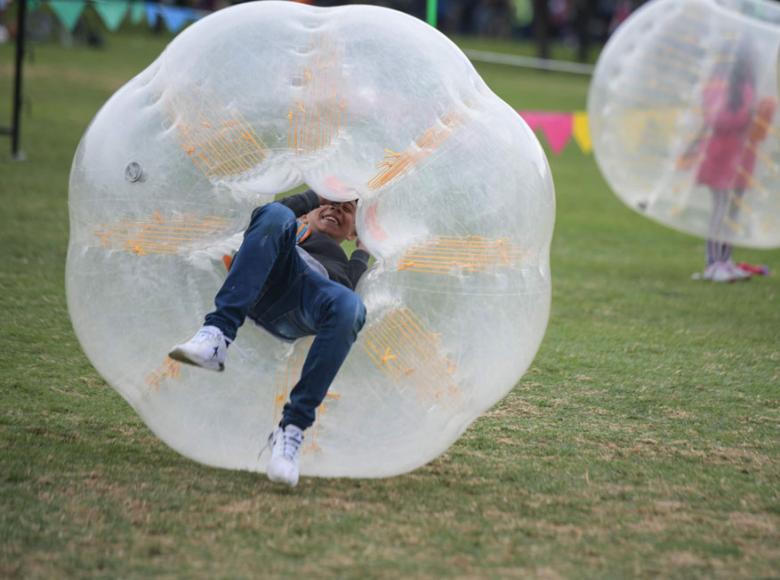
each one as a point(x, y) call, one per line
point(207, 349)
point(717, 272)
point(285, 446)
point(709, 272)
point(725, 272)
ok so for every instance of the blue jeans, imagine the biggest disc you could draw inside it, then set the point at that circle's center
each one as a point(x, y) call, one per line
point(270, 283)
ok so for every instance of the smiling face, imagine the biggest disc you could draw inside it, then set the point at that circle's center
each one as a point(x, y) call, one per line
point(336, 220)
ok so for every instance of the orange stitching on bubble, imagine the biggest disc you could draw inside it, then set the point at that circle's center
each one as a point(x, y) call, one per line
point(219, 141)
point(158, 235)
point(169, 369)
point(396, 164)
point(316, 119)
point(402, 347)
point(469, 254)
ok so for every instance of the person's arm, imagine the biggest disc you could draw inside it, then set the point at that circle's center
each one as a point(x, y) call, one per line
point(358, 263)
point(302, 203)
point(759, 127)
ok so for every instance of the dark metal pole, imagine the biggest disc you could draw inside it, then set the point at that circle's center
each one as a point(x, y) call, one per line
point(21, 26)
point(542, 28)
point(583, 14)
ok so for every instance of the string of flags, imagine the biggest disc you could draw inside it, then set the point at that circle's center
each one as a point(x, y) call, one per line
point(114, 12)
point(558, 128)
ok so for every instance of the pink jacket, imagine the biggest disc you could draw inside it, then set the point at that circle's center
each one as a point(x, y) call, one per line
point(724, 148)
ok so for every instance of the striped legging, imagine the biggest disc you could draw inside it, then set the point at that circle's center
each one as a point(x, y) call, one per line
point(722, 207)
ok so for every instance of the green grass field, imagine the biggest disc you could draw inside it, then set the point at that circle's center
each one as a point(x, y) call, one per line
point(643, 442)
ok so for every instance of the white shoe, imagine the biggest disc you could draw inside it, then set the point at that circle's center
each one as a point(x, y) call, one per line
point(709, 272)
point(285, 446)
point(723, 272)
point(207, 349)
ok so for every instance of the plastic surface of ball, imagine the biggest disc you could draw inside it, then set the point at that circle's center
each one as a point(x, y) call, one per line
point(682, 110)
point(456, 205)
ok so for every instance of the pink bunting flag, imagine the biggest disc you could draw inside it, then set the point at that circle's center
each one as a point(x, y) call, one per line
point(556, 127)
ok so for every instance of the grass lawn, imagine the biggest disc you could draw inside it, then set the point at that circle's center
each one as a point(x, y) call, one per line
point(643, 442)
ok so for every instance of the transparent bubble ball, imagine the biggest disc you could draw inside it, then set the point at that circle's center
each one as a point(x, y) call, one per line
point(683, 106)
point(456, 205)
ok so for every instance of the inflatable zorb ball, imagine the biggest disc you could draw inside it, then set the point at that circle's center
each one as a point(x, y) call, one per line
point(682, 110)
point(456, 204)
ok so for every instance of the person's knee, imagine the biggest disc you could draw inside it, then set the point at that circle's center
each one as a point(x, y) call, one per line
point(348, 311)
point(273, 215)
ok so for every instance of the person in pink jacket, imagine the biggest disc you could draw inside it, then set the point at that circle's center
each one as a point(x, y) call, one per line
point(729, 106)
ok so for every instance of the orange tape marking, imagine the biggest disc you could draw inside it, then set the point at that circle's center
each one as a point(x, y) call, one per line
point(219, 141)
point(318, 116)
point(169, 369)
point(397, 164)
point(401, 346)
point(470, 254)
point(158, 235)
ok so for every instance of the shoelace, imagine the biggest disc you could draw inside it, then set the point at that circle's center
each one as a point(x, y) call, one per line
point(292, 441)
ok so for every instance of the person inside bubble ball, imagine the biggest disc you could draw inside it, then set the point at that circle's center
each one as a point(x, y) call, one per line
point(735, 121)
point(292, 277)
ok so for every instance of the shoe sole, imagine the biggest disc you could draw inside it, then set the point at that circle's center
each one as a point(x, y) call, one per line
point(278, 476)
point(181, 356)
point(280, 479)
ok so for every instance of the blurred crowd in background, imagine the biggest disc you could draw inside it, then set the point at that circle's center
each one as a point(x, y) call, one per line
point(579, 24)
point(573, 22)
point(519, 18)
point(576, 23)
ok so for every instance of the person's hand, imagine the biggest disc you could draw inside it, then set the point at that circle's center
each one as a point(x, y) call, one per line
point(360, 246)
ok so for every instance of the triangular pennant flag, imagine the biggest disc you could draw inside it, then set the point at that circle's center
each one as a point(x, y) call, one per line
point(112, 12)
point(152, 13)
point(68, 11)
point(581, 131)
point(137, 11)
point(533, 119)
point(175, 17)
point(557, 128)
